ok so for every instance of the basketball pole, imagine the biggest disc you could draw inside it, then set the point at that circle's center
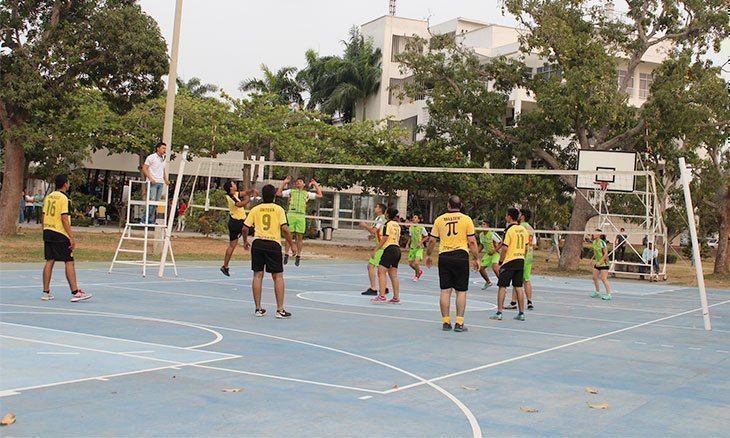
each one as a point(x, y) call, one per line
point(684, 177)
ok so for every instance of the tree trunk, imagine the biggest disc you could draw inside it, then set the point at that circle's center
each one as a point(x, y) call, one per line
point(722, 260)
point(582, 211)
point(12, 187)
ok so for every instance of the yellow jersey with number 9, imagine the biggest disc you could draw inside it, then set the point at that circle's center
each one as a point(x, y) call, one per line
point(391, 234)
point(267, 219)
point(54, 206)
point(453, 230)
point(515, 239)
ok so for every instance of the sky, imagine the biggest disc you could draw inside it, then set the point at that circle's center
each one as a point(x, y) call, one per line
point(225, 41)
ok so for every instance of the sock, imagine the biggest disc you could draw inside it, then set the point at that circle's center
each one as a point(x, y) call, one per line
point(46, 291)
point(460, 320)
point(499, 313)
point(446, 320)
point(74, 292)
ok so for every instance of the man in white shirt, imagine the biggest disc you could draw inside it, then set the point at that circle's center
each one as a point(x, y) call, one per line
point(651, 257)
point(154, 170)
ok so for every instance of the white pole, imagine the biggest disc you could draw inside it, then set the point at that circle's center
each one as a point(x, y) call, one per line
point(173, 208)
point(172, 78)
point(684, 173)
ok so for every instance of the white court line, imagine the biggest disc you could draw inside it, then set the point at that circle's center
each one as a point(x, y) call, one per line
point(58, 352)
point(376, 315)
point(547, 350)
point(365, 397)
point(139, 352)
point(433, 303)
point(218, 337)
point(476, 430)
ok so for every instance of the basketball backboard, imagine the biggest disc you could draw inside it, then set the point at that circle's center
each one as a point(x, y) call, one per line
point(609, 162)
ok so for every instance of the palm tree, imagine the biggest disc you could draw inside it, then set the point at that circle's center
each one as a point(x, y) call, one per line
point(195, 87)
point(357, 76)
point(283, 85)
point(318, 78)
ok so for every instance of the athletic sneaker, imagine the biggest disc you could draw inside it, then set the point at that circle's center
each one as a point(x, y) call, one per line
point(486, 286)
point(595, 295)
point(379, 299)
point(511, 306)
point(497, 316)
point(260, 312)
point(286, 258)
point(225, 271)
point(415, 278)
point(297, 260)
point(606, 297)
point(80, 296)
point(460, 328)
point(370, 292)
point(46, 296)
point(530, 306)
point(283, 314)
point(418, 276)
point(520, 316)
point(394, 301)
point(446, 326)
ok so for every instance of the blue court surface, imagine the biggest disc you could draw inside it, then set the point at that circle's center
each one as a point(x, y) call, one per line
point(151, 356)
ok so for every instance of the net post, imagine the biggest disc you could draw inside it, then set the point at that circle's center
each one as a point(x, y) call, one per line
point(695, 244)
point(171, 217)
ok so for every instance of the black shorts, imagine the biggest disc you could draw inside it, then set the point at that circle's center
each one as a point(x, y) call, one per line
point(513, 272)
point(600, 268)
point(59, 251)
point(454, 270)
point(390, 257)
point(235, 228)
point(266, 254)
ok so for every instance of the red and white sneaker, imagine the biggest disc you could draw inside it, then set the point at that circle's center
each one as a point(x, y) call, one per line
point(418, 276)
point(80, 296)
point(379, 299)
point(394, 301)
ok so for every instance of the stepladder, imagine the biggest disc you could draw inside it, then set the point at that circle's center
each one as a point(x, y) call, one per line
point(145, 225)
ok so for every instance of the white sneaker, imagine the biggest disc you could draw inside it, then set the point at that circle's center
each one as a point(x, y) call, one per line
point(46, 296)
point(80, 296)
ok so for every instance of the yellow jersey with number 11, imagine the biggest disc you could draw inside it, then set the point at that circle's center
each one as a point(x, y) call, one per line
point(267, 219)
point(515, 239)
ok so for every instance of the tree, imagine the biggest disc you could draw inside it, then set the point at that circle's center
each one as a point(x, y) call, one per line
point(195, 87)
point(282, 85)
point(51, 49)
point(580, 100)
point(318, 78)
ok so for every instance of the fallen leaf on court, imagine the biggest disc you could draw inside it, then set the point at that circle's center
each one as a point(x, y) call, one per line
point(395, 386)
point(603, 406)
point(469, 388)
point(233, 390)
point(529, 410)
point(591, 391)
point(8, 419)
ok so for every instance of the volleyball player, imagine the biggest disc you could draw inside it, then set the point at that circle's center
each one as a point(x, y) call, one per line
point(237, 201)
point(600, 267)
point(525, 217)
point(374, 261)
point(58, 240)
point(512, 259)
point(388, 265)
point(296, 215)
point(419, 237)
point(490, 242)
point(269, 220)
point(455, 232)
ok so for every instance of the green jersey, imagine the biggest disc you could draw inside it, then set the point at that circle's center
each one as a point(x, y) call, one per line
point(298, 200)
point(417, 233)
point(378, 225)
point(488, 240)
point(530, 241)
point(598, 246)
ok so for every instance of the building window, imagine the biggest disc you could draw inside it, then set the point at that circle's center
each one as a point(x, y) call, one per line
point(399, 46)
point(410, 125)
point(528, 72)
point(645, 80)
point(549, 71)
point(397, 86)
point(630, 87)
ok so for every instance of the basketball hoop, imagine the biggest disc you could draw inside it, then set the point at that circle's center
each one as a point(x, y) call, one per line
point(601, 185)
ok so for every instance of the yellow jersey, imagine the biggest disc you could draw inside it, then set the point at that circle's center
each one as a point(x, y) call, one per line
point(237, 213)
point(267, 219)
point(516, 239)
point(54, 207)
point(391, 234)
point(453, 229)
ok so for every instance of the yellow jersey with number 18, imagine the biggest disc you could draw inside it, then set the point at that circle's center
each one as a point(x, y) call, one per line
point(515, 239)
point(267, 219)
point(54, 206)
point(453, 230)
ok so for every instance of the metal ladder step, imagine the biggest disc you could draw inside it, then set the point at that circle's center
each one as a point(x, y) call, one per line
point(136, 251)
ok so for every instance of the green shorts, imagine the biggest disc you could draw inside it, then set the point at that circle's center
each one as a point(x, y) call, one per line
point(297, 224)
point(375, 261)
point(415, 253)
point(527, 270)
point(489, 260)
